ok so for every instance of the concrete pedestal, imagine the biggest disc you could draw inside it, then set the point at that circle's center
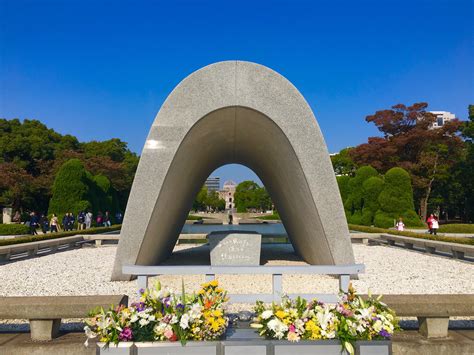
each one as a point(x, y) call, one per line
point(235, 248)
point(44, 329)
point(433, 327)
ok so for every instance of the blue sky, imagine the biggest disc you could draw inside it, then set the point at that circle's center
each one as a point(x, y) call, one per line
point(102, 69)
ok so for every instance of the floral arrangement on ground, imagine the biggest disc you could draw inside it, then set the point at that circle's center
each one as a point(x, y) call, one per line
point(350, 319)
point(163, 315)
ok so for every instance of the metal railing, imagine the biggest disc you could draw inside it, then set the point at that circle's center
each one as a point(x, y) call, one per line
point(343, 271)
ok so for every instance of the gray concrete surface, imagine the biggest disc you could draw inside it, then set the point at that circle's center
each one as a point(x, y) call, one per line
point(244, 113)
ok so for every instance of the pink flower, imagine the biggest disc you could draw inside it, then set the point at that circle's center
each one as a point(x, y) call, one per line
point(292, 328)
point(168, 333)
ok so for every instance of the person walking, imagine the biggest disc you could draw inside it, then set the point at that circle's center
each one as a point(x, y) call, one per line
point(72, 221)
point(118, 217)
point(66, 221)
point(429, 222)
point(400, 225)
point(33, 223)
point(54, 223)
point(88, 219)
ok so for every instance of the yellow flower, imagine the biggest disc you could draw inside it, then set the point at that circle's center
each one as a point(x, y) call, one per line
point(217, 313)
point(214, 283)
point(281, 314)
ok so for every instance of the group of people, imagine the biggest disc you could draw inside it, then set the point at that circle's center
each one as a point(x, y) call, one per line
point(69, 222)
point(432, 222)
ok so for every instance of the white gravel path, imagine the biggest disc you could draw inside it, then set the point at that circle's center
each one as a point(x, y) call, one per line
point(388, 271)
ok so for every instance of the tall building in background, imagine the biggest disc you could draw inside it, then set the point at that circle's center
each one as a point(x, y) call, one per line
point(213, 183)
point(441, 118)
point(227, 194)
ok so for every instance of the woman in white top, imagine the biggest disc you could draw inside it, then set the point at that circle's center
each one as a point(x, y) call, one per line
point(400, 225)
point(435, 225)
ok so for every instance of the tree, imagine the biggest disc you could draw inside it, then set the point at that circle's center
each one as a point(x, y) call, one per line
point(31, 154)
point(70, 189)
point(411, 143)
point(199, 203)
point(396, 200)
point(342, 163)
point(249, 195)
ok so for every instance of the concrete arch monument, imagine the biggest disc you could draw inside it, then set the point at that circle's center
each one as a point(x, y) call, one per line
point(234, 112)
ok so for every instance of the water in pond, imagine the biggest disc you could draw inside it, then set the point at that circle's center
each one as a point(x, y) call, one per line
point(275, 229)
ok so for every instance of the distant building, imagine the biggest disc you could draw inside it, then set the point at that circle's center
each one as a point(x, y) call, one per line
point(227, 194)
point(213, 183)
point(441, 118)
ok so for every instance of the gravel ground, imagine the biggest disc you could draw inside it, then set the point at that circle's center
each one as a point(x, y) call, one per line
point(87, 271)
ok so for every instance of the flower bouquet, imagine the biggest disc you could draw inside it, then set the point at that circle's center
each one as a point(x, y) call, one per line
point(350, 319)
point(162, 315)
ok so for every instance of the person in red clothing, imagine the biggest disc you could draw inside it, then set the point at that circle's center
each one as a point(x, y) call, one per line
point(429, 222)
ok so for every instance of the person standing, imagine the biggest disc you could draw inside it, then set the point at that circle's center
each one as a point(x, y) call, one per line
point(107, 219)
point(44, 224)
point(81, 220)
point(118, 217)
point(72, 221)
point(54, 223)
point(435, 225)
point(400, 225)
point(99, 220)
point(88, 219)
point(66, 221)
point(429, 222)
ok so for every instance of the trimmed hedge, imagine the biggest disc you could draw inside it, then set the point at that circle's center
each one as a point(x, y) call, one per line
point(273, 217)
point(48, 236)
point(13, 229)
point(456, 228)
point(439, 238)
point(396, 200)
point(193, 218)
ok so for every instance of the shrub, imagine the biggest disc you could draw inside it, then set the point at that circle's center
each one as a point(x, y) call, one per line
point(456, 228)
point(355, 199)
point(39, 237)
point(396, 200)
point(371, 190)
point(366, 229)
point(13, 229)
point(70, 189)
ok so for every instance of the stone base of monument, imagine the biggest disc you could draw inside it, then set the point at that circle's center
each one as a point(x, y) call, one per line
point(247, 346)
point(235, 248)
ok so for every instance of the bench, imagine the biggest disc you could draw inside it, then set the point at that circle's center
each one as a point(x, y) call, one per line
point(7, 252)
point(45, 312)
point(458, 251)
point(432, 311)
point(362, 237)
point(99, 238)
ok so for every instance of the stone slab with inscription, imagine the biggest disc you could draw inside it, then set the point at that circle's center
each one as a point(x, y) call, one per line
point(235, 248)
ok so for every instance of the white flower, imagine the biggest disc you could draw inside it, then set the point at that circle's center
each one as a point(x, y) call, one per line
point(143, 322)
point(133, 318)
point(195, 311)
point(278, 327)
point(151, 318)
point(267, 314)
point(174, 320)
point(184, 323)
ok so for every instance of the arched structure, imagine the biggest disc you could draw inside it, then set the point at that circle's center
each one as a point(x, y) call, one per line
point(234, 112)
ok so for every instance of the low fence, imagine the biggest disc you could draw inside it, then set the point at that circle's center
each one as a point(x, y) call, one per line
point(343, 271)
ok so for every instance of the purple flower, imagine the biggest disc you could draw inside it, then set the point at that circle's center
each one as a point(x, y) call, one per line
point(139, 306)
point(167, 301)
point(180, 306)
point(141, 291)
point(126, 334)
point(385, 334)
